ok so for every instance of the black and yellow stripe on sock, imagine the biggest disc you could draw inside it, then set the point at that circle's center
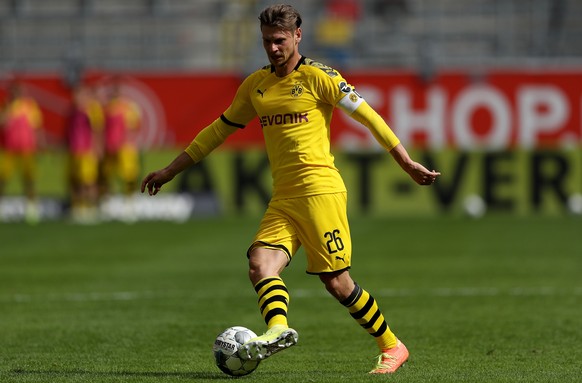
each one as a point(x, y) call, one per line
point(273, 301)
point(364, 309)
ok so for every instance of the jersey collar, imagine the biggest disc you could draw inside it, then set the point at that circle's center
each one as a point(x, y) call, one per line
point(299, 63)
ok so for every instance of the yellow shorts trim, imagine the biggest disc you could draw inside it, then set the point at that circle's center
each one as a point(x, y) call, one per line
point(318, 223)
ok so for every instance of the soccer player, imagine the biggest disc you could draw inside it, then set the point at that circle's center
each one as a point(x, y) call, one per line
point(21, 127)
point(84, 142)
point(293, 98)
point(121, 152)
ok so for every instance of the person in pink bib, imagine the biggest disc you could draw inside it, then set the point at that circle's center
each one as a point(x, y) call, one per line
point(21, 128)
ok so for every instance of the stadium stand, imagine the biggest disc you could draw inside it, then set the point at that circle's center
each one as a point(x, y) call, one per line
point(39, 35)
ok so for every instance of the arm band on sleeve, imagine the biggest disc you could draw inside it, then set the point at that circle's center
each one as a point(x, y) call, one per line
point(368, 117)
point(209, 139)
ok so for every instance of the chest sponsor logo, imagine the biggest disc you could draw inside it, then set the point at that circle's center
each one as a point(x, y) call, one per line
point(282, 119)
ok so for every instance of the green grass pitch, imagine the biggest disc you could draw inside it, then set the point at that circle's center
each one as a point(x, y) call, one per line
point(490, 300)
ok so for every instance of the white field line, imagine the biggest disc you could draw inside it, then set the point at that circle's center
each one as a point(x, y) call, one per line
point(295, 293)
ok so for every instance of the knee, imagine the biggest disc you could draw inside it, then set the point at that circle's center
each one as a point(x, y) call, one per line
point(256, 272)
point(338, 285)
point(265, 263)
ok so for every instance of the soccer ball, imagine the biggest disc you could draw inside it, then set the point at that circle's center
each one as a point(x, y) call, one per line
point(575, 204)
point(474, 206)
point(225, 351)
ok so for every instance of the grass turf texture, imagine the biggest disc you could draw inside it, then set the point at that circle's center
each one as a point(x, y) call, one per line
point(491, 300)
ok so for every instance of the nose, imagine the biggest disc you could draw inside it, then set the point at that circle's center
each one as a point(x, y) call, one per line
point(271, 47)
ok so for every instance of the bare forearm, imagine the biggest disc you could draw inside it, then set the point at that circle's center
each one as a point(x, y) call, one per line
point(179, 164)
point(153, 182)
point(206, 141)
point(419, 173)
point(402, 157)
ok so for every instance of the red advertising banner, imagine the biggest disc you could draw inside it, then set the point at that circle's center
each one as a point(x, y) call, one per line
point(497, 110)
point(493, 111)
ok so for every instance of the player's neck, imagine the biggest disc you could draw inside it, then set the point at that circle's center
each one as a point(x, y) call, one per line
point(289, 66)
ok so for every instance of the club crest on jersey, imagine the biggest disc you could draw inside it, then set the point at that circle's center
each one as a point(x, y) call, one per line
point(297, 90)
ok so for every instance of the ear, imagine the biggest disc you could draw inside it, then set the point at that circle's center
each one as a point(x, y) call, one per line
point(298, 33)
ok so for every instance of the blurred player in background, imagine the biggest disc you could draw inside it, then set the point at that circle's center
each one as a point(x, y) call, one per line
point(21, 124)
point(336, 30)
point(84, 142)
point(294, 98)
point(121, 152)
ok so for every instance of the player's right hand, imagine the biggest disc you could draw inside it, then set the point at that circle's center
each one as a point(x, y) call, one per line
point(153, 182)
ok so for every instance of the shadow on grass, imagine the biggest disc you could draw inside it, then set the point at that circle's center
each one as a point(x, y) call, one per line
point(198, 376)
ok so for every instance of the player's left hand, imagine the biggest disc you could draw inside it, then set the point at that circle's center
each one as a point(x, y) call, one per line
point(422, 175)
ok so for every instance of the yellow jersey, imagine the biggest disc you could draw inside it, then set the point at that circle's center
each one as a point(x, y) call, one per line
point(295, 115)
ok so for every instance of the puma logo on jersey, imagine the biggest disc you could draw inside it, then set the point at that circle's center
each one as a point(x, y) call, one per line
point(281, 119)
point(261, 92)
point(340, 259)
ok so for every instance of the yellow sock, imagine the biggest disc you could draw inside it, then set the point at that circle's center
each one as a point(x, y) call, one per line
point(364, 309)
point(273, 301)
